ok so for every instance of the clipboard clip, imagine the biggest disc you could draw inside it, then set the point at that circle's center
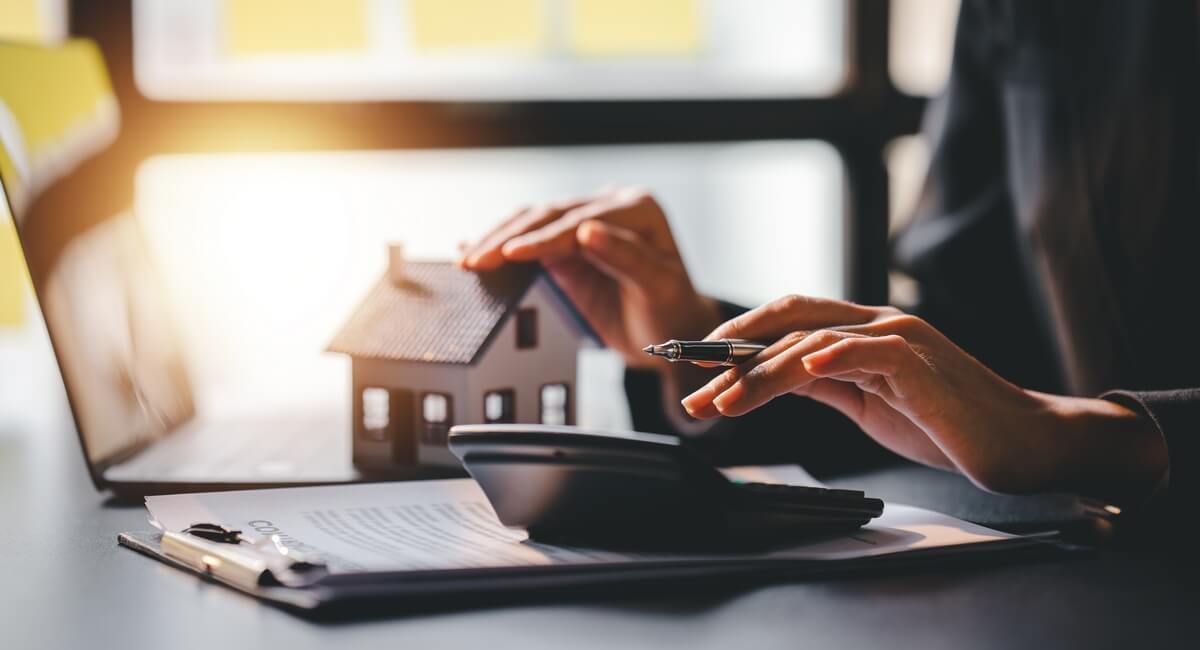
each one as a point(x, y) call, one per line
point(247, 561)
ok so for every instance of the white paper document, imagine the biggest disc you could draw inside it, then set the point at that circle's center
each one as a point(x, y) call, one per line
point(449, 524)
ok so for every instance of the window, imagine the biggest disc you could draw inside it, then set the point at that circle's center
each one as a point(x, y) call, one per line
point(487, 49)
point(498, 406)
point(436, 417)
point(36, 21)
point(920, 41)
point(375, 414)
point(907, 160)
point(527, 328)
point(555, 404)
point(761, 186)
point(787, 85)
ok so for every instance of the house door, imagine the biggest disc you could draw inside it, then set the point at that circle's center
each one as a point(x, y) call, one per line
point(403, 420)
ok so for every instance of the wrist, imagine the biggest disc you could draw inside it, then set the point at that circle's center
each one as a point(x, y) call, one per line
point(697, 319)
point(1104, 449)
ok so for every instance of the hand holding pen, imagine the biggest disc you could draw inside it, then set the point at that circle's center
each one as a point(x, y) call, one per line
point(914, 391)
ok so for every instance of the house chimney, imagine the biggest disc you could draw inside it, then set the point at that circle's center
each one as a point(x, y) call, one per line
point(396, 263)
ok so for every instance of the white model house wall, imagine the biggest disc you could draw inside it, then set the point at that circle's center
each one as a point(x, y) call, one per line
point(552, 361)
point(419, 378)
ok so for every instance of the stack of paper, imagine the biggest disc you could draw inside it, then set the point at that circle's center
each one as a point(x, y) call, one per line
point(405, 539)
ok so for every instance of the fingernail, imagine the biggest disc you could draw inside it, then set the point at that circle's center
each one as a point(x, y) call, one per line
point(729, 398)
point(812, 363)
point(589, 236)
point(691, 403)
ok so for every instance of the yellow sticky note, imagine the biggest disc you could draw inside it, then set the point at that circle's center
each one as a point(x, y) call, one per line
point(12, 273)
point(51, 90)
point(255, 27)
point(21, 20)
point(635, 27)
point(60, 103)
point(447, 25)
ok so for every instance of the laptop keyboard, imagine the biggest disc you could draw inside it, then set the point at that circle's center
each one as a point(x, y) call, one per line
point(284, 448)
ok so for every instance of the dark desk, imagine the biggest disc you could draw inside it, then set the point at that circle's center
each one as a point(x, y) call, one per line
point(66, 584)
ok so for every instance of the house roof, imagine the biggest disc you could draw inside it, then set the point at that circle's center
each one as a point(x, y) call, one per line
point(441, 314)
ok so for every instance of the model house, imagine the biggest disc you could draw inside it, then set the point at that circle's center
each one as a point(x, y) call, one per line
point(432, 346)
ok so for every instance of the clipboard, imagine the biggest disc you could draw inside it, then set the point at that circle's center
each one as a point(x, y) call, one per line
point(252, 568)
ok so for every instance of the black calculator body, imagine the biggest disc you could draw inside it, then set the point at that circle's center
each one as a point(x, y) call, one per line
point(639, 490)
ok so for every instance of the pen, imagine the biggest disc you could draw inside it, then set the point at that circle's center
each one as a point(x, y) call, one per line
point(727, 352)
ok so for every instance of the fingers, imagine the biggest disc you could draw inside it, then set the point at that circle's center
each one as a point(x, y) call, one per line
point(887, 365)
point(699, 403)
point(556, 239)
point(487, 253)
point(633, 210)
point(591, 295)
point(846, 398)
point(621, 254)
point(792, 313)
point(777, 370)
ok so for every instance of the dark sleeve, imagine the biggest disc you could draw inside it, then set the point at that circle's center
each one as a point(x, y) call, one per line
point(962, 246)
point(1176, 413)
point(788, 429)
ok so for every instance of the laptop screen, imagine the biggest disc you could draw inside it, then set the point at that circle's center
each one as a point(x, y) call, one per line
point(103, 308)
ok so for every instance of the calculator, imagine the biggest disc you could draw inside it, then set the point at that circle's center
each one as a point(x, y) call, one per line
point(573, 485)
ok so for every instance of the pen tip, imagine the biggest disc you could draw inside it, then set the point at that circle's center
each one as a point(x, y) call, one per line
point(649, 349)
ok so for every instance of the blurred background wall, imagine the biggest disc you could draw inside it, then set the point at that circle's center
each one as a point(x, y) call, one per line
point(269, 148)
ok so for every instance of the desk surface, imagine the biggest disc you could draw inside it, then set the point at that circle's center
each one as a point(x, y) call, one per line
point(66, 584)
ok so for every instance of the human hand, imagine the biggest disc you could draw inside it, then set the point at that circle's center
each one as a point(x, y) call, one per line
point(615, 258)
point(915, 392)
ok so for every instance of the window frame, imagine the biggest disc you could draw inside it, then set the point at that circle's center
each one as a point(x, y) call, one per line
point(858, 121)
point(568, 416)
point(509, 397)
point(434, 432)
point(375, 434)
point(525, 323)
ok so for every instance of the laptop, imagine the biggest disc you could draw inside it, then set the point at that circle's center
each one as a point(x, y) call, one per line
point(130, 385)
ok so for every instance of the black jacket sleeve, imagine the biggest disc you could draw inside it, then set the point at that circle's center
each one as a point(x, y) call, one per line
point(1176, 413)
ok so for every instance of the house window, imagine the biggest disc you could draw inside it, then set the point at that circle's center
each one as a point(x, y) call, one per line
point(376, 409)
point(498, 406)
point(554, 403)
point(436, 417)
point(527, 330)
